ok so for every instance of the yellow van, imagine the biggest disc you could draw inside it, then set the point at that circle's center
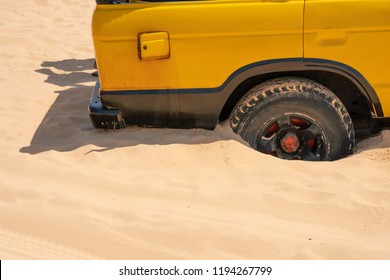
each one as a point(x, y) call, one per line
point(296, 78)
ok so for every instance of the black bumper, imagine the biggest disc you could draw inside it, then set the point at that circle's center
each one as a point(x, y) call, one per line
point(102, 117)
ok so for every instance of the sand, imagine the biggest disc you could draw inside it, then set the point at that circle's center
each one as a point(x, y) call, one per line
point(68, 191)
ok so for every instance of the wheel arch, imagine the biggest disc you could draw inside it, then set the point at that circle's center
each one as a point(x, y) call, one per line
point(348, 85)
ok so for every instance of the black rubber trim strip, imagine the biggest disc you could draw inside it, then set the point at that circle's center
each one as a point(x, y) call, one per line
point(204, 90)
point(273, 66)
point(350, 73)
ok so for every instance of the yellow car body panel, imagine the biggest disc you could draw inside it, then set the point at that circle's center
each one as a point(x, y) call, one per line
point(209, 40)
point(355, 33)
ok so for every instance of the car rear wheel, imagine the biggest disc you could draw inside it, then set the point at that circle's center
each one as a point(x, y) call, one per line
point(294, 118)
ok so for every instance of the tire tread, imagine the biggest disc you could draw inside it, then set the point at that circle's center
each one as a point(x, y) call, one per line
point(276, 88)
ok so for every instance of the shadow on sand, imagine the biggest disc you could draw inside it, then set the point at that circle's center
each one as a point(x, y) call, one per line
point(67, 127)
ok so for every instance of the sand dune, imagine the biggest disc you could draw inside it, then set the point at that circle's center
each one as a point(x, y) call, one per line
point(68, 191)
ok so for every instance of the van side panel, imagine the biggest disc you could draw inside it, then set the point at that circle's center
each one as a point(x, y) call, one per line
point(355, 33)
point(208, 40)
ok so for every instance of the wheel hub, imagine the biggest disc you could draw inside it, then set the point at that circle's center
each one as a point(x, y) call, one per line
point(291, 136)
point(289, 143)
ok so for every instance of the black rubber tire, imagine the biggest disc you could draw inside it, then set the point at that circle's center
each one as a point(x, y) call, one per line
point(291, 98)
